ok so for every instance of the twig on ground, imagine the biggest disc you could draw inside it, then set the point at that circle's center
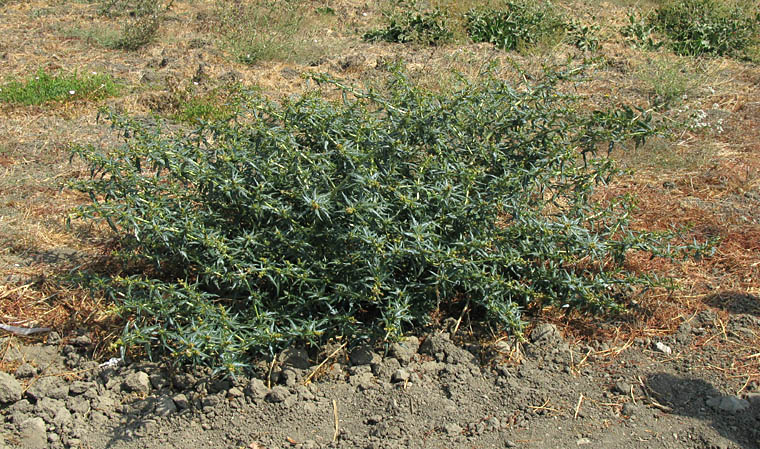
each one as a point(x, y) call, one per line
point(335, 415)
point(578, 406)
point(315, 370)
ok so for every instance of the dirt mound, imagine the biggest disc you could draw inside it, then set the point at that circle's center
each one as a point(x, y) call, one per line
point(427, 392)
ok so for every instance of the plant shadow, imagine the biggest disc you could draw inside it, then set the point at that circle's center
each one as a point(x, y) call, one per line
point(696, 398)
point(735, 302)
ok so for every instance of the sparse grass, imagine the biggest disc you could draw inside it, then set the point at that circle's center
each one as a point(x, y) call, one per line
point(667, 80)
point(273, 31)
point(217, 104)
point(43, 88)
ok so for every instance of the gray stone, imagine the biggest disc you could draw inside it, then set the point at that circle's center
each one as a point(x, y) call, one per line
point(294, 358)
point(663, 348)
point(78, 387)
point(582, 441)
point(289, 377)
point(138, 382)
point(104, 403)
point(10, 389)
point(47, 387)
point(180, 400)
point(546, 334)
point(158, 381)
point(235, 393)
point(48, 408)
point(256, 389)
point(211, 401)
point(629, 409)
point(78, 404)
point(401, 375)
point(728, 404)
point(363, 355)
point(82, 341)
point(62, 418)
point(277, 394)
point(452, 429)
point(165, 406)
point(622, 387)
point(753, 398)
point(33, 434)
point(441, 347)
point(26, 370)
point(405, 350)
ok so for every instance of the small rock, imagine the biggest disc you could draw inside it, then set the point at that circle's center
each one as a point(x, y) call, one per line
point(662, 347)
point(295, 358)
point(235, 393)
point(78, 387)
point(78, 404)
point(62, 418)
point(277, 394)
point(211, 401)
point(158, 381)
point(400, 375)
point(728, 404)
point(753, 398)
point(180, 400)
point(34, 434)
point(256, 389)
point(165, 406)
point(26, 370)
point(545, 333)
point(53, 338)
point(363, 355)
point(452, 429)
point(622, 387)
point(10, 389)
point(510, 443)
point(138, 382)
point(583, 441)
point(48, 408)
point(405, 350)
point(629, 409)
point(82, 341)
point(289, 377)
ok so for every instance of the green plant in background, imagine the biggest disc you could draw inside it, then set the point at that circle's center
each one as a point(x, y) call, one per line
point(215, 105)
point(640, 32)
point(714, 27)
point(583, 37)
point(519, 24)
point(270, 30)
point(668, 80)
point(44, 87)
point(427, 27)
point(307, 219)
point(141, 22)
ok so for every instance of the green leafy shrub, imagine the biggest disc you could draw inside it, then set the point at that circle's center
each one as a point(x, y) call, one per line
point(583, 37)
point(640, 32)
point(311, 218)
point(429, 28)
point(715, 27)
point(519, 24)
point(44, 87)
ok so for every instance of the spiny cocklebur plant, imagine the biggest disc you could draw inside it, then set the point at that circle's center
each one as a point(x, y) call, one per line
point(308, 218)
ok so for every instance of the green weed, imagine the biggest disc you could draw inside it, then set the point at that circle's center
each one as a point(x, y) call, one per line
point(668, 80)
point(428, 28)
point(306, 219)
point(519, 24)
point(640, 32)
point(43, 88)
point(714, 27)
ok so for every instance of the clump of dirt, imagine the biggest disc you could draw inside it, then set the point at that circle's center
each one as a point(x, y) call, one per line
point(422, 392)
